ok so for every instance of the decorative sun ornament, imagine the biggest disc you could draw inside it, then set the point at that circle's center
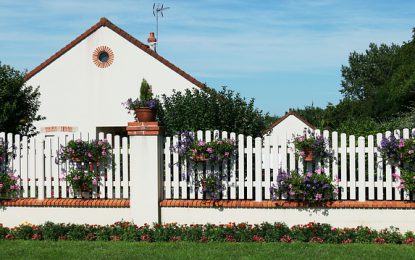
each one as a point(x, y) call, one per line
point(103, 57)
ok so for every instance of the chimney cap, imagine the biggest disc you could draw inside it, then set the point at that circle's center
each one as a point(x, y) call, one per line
point(151, 38)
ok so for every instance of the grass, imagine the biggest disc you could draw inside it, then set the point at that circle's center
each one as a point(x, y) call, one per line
point(20, 249)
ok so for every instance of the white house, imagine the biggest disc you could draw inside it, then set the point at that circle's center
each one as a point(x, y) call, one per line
point(83, 85)
point(287, 126)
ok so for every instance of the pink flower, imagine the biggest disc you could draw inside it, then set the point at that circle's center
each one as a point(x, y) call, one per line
point(319, 196)
point(309, 174)
point(210, 150)
point(401, 143)
point(410, 151)
point(226, 154)
point(89, 155)
point(76, 177)
point(201, 143)
point(291, 193)
point(1, 185)
point(302, 153)
point(94, 182)
point(104, 153)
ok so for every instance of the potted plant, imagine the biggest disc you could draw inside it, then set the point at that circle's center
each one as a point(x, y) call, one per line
point(145, 107)
point(312, 187)
point(310, 146)
point(84, 159)
point(401, 153)
point(200, 152)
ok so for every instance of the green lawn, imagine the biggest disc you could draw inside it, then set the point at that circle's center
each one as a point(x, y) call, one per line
point(189, 250)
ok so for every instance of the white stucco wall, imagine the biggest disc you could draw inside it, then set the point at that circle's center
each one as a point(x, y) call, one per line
point(75, 92)
point(290, 126)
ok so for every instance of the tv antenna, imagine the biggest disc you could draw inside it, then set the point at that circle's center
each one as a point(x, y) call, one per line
point(158, 9)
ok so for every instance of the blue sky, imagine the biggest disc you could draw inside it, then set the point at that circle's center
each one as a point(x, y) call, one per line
point(282, 53)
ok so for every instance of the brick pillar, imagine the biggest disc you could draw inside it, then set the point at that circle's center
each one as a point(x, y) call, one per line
point(146, 153)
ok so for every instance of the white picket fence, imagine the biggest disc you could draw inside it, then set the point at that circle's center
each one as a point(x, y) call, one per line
point(42, 177)
point(359, 169)
point(362, 173)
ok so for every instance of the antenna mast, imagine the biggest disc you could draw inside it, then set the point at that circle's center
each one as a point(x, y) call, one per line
point(158, 9)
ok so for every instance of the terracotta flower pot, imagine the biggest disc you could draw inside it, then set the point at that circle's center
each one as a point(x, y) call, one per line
point(199, 158)
point(308, 155)
point(145, 114)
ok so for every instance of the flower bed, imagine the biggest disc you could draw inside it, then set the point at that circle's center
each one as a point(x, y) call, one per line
point(232, 232)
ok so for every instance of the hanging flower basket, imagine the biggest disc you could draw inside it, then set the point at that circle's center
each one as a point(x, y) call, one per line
point(145, 114)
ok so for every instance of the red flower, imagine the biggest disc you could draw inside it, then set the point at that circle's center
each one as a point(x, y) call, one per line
point(37, 237)
point(257, 238)
point(286, 239)
point(409, 241)
point(347, 241)
point(317, 240)
point(379, 240)
point(9, 237)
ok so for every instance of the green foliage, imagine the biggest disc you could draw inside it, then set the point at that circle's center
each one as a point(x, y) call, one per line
point(231, 232)
point(223, 110)
point(311, 187)
point(146, 92)
point(378, 89)
point(18, 103)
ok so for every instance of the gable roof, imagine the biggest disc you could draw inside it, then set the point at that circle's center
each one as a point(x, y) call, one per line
point(104, 22)
point(284, 117)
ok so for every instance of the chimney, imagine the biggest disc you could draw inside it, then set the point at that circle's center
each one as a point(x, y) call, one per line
point(152, 41)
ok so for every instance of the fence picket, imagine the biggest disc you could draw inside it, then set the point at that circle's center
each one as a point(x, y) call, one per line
point(232, 172)
point(388, 182)
point(241, 166)
point(48, 167)
point(116, 166)
point(352, 167)
point(175, 171)
point(379, 169)
point(405, 135)
point(200, 166)
point(55, 166)
point(225, 170)
point(125, 169)
point(17, 158)
point(335, 163)
point(258, 169)
point(109, 172)
point(167, 168)
point(24, 167)
point(343, 169)
point(362, 169)
point(32, 168)
point(249, 177)
point(267, 165)
point(371, 169)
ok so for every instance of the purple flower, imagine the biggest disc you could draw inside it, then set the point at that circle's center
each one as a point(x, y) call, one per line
point(319, 196)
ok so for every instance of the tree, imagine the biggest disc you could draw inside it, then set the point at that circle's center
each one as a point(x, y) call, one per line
point(223, 110)
point(378, 88)
point(18, 103)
